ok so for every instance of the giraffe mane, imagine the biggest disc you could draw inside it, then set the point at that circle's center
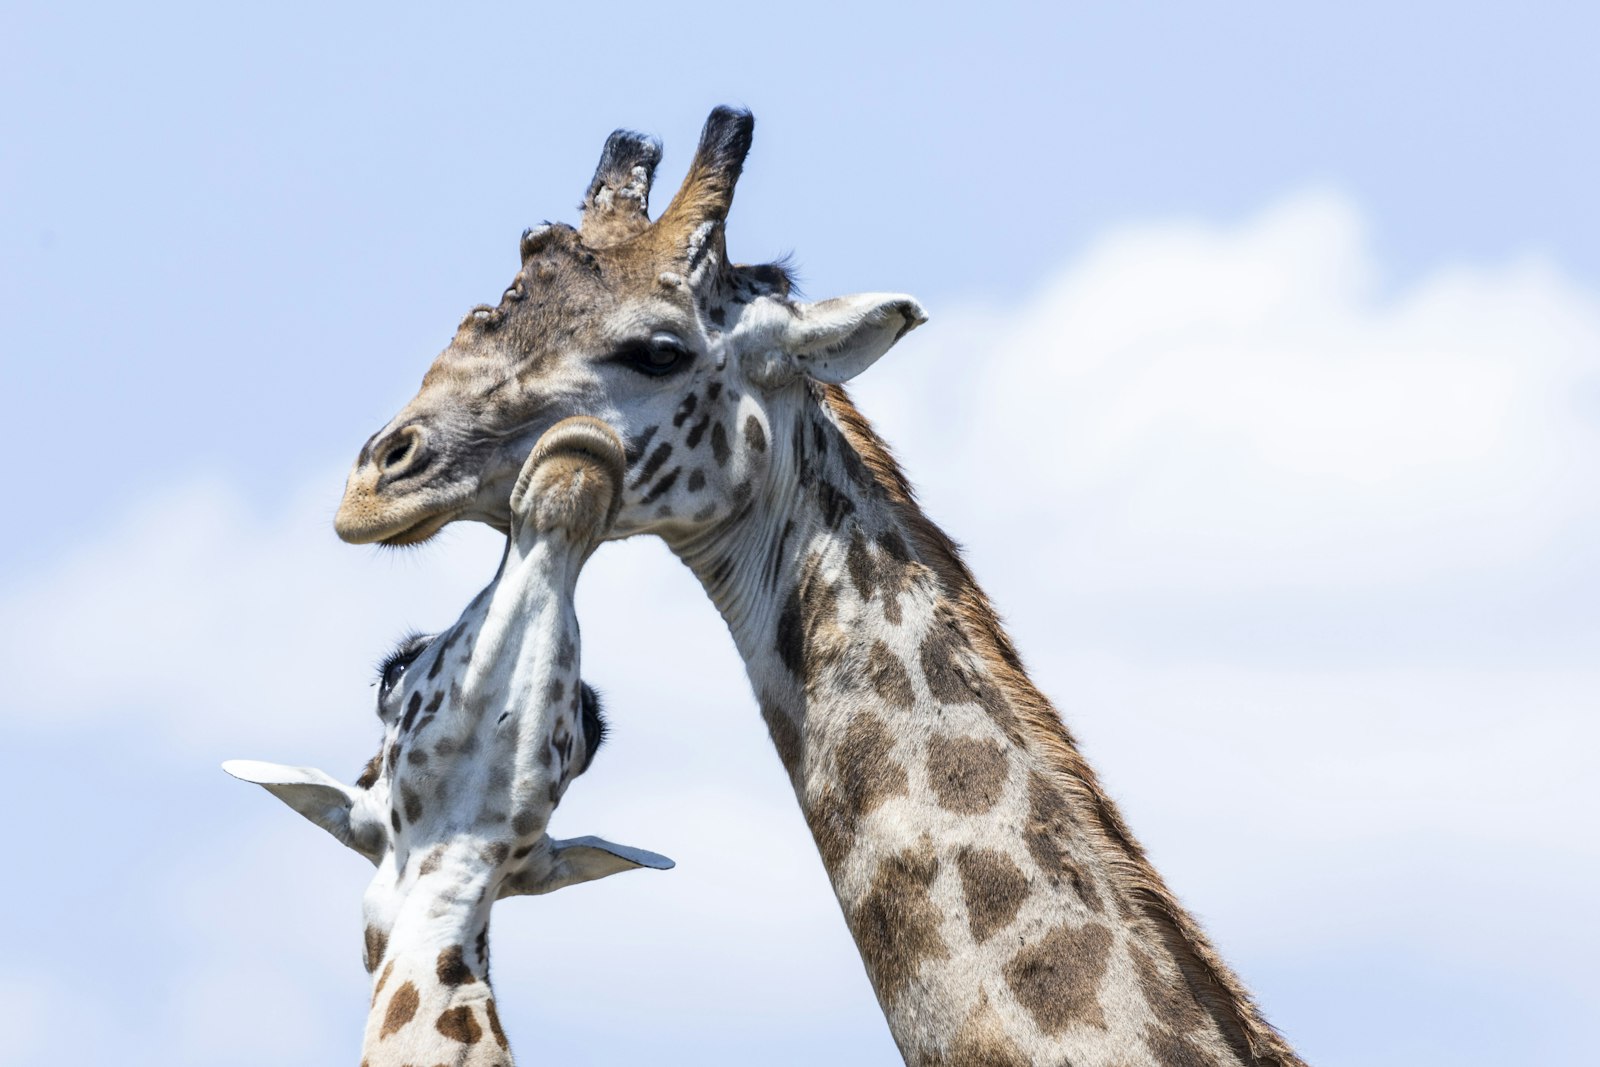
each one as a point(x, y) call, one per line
point(1214, 984)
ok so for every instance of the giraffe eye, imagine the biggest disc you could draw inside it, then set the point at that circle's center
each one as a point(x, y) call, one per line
point(395, 663)
point(659, 356)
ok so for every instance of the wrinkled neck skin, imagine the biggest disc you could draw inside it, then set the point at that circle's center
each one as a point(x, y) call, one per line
point(1003, 912)
point(475, 752)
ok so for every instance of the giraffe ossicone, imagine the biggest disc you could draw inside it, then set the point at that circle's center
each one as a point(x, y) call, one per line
point(1004, 911)
point(485, 726)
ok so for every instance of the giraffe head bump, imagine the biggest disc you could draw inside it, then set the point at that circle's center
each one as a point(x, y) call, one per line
point(645, 325)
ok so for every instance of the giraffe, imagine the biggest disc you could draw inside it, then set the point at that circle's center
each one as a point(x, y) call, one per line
point(1003, 910)
point(485, 726)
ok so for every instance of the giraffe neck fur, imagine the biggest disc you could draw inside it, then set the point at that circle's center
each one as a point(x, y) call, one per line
point(1001, 908)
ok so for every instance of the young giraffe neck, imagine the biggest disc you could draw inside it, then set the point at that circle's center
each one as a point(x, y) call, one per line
point(1003, 911)
point(431, 1000)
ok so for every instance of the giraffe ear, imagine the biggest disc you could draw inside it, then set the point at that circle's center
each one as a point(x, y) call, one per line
point(835, 340)
point(321, 798)
point(584, 859)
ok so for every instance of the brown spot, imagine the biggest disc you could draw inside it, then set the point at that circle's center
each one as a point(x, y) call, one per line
point(458, 1024)
point(1168, 1000)
point(858, 562)
point(719, 444)
point(402, 1006)
point(494, 1024)
point(413, 803)
point(1057, 979)
point(413, 707)
point(1050, 826)
point(896, 924)
point(555, 691)
point(946, 678)
point(1168, 1049)
point(889, 677)
point(433, 705)
point(866, 774)
point(994, 889)
point(382, 978)
point(566, 651)
point(369, 775)
point(430, 862)
point(832, 825)
point(754, 434)
point(525, 822)
point(785, 735)
point(982, 1041)
point(697, 480)
point(376, 942)
point(966, 774)
point(452, 969)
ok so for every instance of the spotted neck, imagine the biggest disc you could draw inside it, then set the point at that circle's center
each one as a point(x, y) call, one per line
point(431, 1000)
point(1003, 911)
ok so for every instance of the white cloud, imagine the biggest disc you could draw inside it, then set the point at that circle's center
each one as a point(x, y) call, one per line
point(1306, 564)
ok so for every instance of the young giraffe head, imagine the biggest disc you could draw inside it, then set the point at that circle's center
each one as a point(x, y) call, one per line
point(642, 324)
point(485, 725)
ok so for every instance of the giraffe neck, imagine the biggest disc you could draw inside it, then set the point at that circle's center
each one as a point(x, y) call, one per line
point(1004, 913)
point(431, 999)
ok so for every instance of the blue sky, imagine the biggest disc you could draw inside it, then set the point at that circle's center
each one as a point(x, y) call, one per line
point(1263, 382)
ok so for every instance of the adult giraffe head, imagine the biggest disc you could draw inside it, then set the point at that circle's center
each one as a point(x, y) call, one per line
point(644, 325)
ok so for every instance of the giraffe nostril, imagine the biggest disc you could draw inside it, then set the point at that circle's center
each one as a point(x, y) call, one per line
point(404, 453)
point(397, 454)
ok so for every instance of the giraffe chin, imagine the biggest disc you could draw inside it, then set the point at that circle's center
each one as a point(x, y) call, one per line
point(418, 532)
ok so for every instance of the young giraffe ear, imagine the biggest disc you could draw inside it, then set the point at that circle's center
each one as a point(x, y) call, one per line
point(321, 798)
point(835, 340)
point(584, 859)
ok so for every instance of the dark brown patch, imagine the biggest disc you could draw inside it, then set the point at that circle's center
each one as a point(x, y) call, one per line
point(452, 968)
point(458, 1024)
point(941, 647)
point(697, 431)
point(402, 1006)
point(1168, 1001)
point(1057, 979)
point(433, 705)
point(832, 825)
point(1050, 826)
point(376, 942)
point(754, 434)
point(657, 459)
point(524, 822)
point(413, 803)
point(413, 706)
point(555, 692)
point(697, 480)
point(369, 775)
point(494, 1024)
point(994, 889)
point(382, 978)
point(719, 444)
point(431, 861)
point(966, 773)
point(1168, 1049)
point(889, 677)
point(896, 924)
point(685, 409)
point(859, 564)
point(785, 735)
point(866, 774)
point(982, 1042)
